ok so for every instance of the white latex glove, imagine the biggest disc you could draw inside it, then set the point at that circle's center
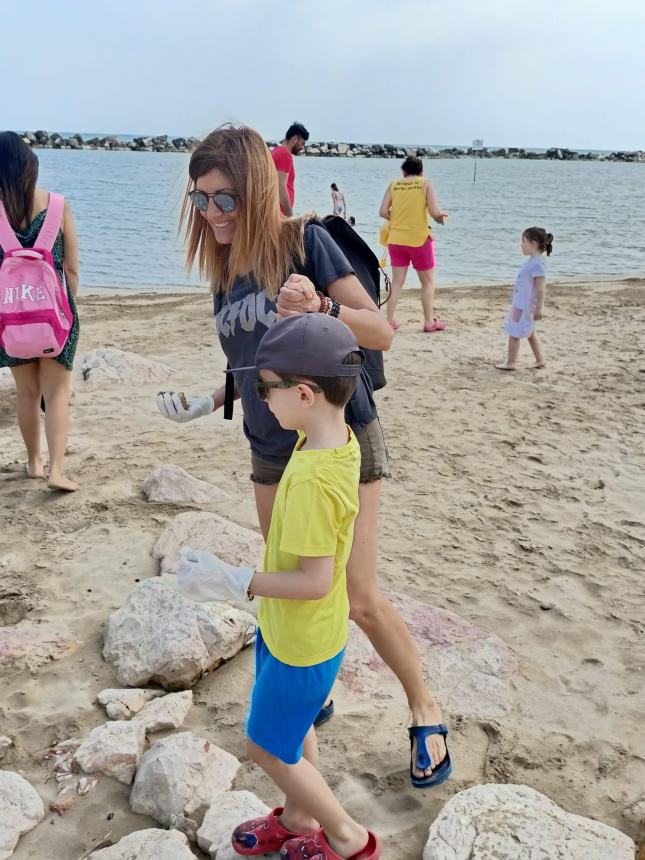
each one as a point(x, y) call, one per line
point(202, 576)
point(170, 405)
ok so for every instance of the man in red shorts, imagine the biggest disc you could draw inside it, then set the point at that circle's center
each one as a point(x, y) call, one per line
point(293, 144)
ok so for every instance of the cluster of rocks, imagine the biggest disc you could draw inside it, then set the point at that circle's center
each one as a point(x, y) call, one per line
point(184, 782)
point(163, 143)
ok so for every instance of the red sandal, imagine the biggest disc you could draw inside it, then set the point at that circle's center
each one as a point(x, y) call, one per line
point(315, 845)
point(262, 835)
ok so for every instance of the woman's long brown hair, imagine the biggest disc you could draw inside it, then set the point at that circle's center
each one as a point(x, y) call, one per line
point(264, 241)
point(18, 175)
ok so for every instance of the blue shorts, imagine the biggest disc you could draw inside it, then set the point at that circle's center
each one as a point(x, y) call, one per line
point(285, 701)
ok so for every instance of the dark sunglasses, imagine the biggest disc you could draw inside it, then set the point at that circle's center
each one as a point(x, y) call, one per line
point(223, 200)
point(262, 387)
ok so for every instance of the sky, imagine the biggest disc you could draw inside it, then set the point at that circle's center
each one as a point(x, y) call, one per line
point(511, 72)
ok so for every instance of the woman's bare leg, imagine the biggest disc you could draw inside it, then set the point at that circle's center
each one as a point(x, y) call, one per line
point(28, 412)
point(398, 279)
point(427, 295)
point(55, 381)
point(381, 622)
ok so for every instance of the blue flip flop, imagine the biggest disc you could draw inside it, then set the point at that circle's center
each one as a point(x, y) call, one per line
point(325, 713)
point(424, 760)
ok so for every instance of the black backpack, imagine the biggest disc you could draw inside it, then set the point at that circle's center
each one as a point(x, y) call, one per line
point(368, 270)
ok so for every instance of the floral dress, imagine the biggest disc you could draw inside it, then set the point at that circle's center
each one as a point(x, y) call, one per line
point(27, 238)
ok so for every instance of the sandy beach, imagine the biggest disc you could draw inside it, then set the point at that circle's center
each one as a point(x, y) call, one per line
point(517, 501)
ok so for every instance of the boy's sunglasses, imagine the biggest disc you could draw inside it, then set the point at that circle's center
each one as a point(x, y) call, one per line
point(262, 387)
point(225, 202)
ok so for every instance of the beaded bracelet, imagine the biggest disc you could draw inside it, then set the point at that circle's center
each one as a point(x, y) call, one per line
point(325, 303)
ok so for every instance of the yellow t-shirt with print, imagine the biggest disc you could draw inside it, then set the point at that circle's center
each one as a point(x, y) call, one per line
point(313, 515)
point(408, 213)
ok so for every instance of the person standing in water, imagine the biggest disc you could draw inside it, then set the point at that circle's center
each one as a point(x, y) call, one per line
point(294, 143)
point(406, 206)
point(339, 207)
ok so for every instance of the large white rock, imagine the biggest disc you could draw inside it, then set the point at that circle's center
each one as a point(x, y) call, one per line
point(124, 704)
point(151, 844)
point(179, 778)
point(169, 712)
point(229, 810)
point(107, 364)
point(159, 637)
point(21, 809)
point(469, 668)
point(28, 646)
point(113, 749)
point(515, 822)
point(211, 533)
point(167, 483)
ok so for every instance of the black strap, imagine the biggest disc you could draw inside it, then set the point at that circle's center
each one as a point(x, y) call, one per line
point(229, 394)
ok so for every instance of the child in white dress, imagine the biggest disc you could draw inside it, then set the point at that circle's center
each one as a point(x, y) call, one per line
point(528, 298)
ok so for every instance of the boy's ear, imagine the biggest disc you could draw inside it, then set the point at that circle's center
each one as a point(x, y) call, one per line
point(306, 395)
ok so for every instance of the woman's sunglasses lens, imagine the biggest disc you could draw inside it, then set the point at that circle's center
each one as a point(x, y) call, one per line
point(261, 390)
point(225, 203)
point(199, 200)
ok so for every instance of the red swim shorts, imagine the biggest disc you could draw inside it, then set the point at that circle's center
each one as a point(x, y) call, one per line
point(422, 257)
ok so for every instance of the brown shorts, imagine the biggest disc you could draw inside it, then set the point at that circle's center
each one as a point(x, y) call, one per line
point(374, 463)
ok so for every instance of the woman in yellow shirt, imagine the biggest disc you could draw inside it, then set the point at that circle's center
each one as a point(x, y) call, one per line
point(406, 205)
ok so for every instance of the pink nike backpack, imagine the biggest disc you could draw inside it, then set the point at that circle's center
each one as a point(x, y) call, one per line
point(35, 316)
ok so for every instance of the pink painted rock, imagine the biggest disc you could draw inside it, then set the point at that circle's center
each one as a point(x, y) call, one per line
point(469, 668)
point(28, 646)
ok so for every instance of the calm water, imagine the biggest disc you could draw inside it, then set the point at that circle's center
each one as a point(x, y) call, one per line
point(127, 203)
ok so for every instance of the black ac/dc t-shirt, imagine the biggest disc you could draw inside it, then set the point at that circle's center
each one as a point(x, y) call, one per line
point(242, 317)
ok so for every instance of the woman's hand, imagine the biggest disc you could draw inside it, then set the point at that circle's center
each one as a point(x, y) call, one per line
point(440, 218)
point(177, 407)
point(297, 296)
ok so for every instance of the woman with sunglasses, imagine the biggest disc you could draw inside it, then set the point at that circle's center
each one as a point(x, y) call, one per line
point(251, 256)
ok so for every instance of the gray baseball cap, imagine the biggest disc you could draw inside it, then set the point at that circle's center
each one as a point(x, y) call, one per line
point(307, 345)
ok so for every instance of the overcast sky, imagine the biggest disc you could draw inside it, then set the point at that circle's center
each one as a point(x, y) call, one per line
point(567, 73)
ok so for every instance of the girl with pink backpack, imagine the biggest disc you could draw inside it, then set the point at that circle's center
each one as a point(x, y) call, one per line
point(38, 319)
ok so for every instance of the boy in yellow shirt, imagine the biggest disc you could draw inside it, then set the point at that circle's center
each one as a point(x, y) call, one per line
point(308, 366)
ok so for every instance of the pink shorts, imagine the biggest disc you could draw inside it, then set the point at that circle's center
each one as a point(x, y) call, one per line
point(422, 257)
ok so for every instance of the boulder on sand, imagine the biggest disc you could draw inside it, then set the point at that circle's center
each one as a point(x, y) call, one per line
point(209, 533)
point(106, 364)
point(28, 646)
point(167, 483)
point(159, 637)
point(515, 821)
point(150, 844)
point(113, 749)
point(229, 809)
point(179, 778)
point(21, 809)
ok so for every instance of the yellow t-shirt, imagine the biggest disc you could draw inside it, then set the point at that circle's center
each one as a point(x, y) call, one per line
point(313, 515)
point(408, 212)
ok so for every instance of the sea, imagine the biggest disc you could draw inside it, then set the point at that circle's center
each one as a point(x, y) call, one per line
point(126, 205)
